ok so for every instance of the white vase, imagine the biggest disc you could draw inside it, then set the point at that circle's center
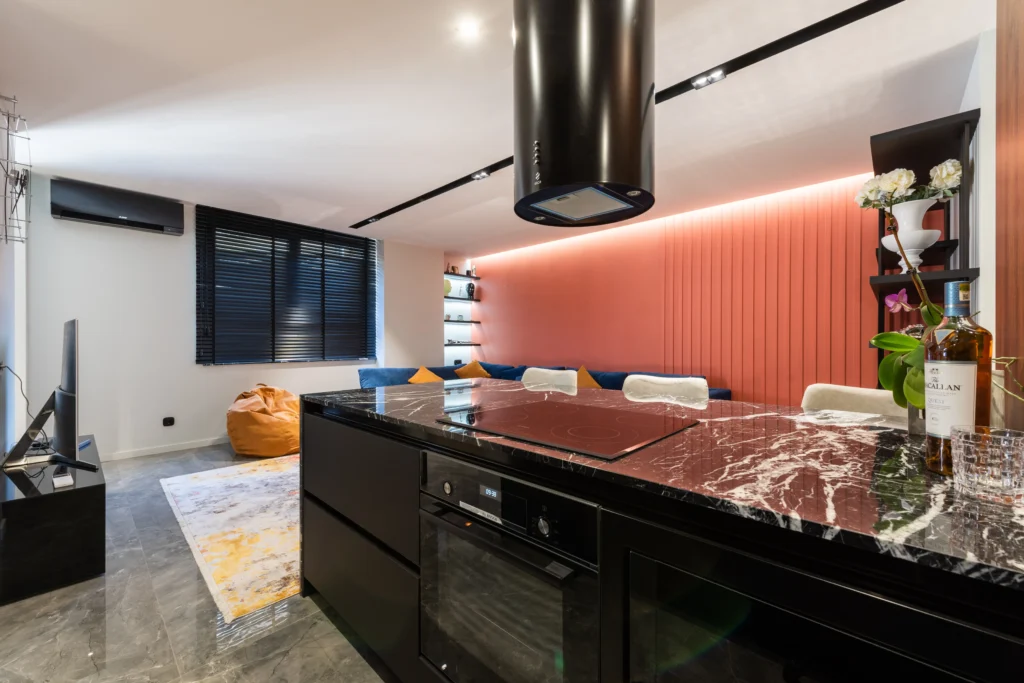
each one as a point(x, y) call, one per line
point(910, 215)
point(914, 238)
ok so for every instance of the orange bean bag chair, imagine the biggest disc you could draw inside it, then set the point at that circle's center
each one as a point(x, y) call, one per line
point(264, 422)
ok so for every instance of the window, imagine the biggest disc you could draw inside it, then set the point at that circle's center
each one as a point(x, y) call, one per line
point(275, 292)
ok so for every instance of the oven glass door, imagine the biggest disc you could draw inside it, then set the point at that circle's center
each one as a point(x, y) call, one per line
point(684, 628)
point(497, 609)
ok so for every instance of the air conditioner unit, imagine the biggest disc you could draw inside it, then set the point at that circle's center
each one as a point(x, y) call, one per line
point(89, 203)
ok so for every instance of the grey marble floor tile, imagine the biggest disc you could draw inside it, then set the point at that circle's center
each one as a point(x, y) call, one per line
point(151, 618)
point(342, 655)
point(99, 630)
point(293, 643)
point(121, 531)
point(196, 626)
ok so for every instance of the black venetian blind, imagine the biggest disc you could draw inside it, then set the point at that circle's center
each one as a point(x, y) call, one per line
point(273, 292)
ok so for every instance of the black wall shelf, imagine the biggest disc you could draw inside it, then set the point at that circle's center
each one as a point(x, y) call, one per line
point(464, 344)
point(461, 298)
point(919, 148)
point(939, 254)
point(462, 322)
point(461, 276)
point(933, 282)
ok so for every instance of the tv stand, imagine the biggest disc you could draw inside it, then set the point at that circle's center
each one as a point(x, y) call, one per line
point(48, 457)
point(52, 537)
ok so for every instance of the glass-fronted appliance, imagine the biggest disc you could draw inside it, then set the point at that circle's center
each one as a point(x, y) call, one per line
point(683, 627)
point(508, 578)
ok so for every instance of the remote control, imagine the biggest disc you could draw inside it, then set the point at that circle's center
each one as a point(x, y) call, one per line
point(62, 477)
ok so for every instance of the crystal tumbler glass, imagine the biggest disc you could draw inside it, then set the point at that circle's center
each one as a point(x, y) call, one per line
point(988, 463)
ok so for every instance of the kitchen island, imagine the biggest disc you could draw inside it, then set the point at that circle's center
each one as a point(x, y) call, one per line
point(709, 544)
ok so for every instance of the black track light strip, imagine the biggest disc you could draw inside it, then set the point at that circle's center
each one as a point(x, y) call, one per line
point(795, 39)
point(464, 180)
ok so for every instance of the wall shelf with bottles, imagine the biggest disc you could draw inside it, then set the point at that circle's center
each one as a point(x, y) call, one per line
point(461, 293)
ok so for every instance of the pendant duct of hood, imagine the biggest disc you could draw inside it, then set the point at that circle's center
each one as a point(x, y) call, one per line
point(584, 110)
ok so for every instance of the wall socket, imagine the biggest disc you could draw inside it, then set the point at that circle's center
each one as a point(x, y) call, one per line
point(168, 422)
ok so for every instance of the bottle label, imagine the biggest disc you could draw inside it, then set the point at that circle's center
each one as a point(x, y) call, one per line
point(950, 394)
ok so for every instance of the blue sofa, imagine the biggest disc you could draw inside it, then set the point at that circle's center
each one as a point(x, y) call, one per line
point(371, 378)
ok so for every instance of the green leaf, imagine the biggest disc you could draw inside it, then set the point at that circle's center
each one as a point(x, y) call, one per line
point(913, 387)
point(895, 341)
point(898, 381)
point(915, 358)
point(887, 370)
point(932, 314)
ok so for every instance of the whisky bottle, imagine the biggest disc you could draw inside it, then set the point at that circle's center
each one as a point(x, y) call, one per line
point(958, 377)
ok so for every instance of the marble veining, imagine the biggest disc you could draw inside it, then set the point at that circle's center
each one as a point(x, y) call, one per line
point(851, 478)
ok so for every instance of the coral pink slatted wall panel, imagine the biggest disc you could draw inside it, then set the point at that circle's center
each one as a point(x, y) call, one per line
point(763, 296)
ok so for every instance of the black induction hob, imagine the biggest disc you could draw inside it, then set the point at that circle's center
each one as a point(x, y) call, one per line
point(604, 433)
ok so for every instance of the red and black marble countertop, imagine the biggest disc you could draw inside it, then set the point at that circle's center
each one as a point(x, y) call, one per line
point(847, 477)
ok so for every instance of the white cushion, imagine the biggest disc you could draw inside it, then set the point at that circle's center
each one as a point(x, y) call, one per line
point(691, 392)
point(851, 399)
point(542, 379)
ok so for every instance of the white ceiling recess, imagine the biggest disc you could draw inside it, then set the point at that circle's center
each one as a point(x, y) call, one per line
point(325, 113)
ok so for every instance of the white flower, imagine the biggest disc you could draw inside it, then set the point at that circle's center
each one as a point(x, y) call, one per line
point(869, 193)
point(947, 175)
point(897, 183)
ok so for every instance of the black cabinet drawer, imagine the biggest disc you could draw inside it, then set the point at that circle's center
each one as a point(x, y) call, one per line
point(369, 479)
point(374, 593)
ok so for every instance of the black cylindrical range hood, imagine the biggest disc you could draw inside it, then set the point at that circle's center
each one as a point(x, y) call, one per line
point(584, 109)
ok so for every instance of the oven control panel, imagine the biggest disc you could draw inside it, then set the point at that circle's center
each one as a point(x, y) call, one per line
point(546, 517)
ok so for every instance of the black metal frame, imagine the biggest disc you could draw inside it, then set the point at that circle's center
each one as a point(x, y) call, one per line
point(788, 42)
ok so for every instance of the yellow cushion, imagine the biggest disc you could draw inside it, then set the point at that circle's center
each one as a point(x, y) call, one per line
point(584, 380)
point(424, 376)
point(472, 371)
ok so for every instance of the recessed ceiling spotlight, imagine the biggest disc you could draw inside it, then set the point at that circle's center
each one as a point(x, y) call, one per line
point(480, 175)
point(468, 30)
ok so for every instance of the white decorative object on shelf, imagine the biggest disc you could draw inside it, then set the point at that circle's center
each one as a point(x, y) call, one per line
point(910, 215)
point(910, 219)
point(896, 193)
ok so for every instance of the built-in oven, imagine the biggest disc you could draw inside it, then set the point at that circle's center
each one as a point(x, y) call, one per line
point(508, 578)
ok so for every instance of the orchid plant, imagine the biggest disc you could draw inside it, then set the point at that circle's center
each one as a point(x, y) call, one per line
point(902, 370)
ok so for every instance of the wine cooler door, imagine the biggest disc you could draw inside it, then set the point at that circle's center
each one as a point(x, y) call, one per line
point(683, 628)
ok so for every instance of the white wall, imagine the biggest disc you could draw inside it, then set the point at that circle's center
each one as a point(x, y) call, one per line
point(981, 93)
point(13, 342)
point(134, 294)
point(413, 306)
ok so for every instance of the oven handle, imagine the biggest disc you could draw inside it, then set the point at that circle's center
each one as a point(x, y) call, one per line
point(552, 568)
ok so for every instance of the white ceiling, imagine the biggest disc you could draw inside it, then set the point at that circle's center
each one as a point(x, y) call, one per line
point(324, 112)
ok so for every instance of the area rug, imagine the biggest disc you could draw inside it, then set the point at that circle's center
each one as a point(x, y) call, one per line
point(242, 524)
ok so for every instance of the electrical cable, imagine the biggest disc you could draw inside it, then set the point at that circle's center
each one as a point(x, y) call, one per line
point(28, 409)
